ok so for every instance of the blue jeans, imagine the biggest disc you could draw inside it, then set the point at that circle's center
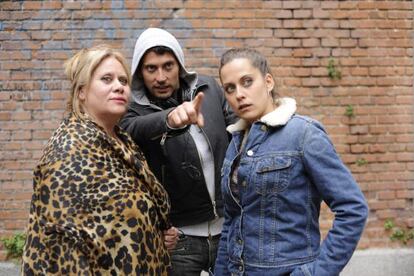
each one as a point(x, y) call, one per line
point(194, 254)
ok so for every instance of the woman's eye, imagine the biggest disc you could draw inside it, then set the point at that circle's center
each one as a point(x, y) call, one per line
point(247, 82)
point(123, 81)
point(106, 79)
point(229, 89)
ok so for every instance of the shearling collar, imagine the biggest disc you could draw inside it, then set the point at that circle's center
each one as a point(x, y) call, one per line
point(279, 116)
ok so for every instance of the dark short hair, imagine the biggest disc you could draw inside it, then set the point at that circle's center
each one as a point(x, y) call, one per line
point(160, 50)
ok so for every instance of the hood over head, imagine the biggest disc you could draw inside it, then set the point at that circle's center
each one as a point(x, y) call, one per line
point(150, 38)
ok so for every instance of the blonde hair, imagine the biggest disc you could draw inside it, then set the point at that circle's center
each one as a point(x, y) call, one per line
point(80, 68)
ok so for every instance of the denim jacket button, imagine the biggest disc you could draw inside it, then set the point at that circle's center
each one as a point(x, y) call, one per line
point(263, 127)
point(240, 268)
point(244, 183)
point(249, 152)
point(240, 241)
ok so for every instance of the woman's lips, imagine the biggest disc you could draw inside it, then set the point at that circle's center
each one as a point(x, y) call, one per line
point(122, 100)
point(242, 107)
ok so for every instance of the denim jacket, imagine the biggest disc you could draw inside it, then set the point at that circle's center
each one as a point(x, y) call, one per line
point(287, 166)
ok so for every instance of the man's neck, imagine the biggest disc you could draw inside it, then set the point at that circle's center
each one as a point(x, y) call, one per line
point(175, 99)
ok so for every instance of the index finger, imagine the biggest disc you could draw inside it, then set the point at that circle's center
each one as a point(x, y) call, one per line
point(197, 101)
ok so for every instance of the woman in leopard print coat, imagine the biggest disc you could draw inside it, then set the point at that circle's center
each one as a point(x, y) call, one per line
point(96, 208)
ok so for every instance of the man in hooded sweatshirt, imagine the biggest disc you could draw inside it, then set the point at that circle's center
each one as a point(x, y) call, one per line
point(179, 119)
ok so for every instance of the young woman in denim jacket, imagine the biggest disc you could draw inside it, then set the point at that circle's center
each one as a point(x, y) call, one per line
point(278, 168)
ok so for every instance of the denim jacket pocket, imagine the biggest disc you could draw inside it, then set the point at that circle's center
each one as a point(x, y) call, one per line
point(272, 174)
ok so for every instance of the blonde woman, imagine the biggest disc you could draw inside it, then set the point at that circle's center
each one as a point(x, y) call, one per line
point(96, 208)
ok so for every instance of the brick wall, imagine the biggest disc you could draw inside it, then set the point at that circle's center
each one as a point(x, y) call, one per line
point(369, 42)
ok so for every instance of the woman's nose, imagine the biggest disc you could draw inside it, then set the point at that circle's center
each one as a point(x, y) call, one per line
point(119, 86)
point(239, 93)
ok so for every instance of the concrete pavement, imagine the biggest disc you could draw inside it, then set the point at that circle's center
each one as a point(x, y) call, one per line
point(378, 262)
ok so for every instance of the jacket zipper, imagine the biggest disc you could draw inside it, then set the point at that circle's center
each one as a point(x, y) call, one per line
point(213, 202)
point(163, 138)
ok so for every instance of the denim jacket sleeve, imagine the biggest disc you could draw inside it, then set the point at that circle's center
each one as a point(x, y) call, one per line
point(341, 193)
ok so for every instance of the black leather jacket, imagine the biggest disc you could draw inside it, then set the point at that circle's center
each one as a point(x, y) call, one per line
point(173, 157)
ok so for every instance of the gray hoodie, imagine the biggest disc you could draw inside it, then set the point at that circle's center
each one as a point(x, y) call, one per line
point(152, 37)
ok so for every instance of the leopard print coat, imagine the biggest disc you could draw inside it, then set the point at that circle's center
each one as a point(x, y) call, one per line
point(96, 208)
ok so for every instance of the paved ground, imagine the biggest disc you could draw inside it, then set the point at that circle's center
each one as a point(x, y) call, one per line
point(378, 262)
point(381, 262)
point(9, 269)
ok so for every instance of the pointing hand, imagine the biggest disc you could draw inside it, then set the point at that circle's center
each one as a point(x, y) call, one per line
point(187, 113)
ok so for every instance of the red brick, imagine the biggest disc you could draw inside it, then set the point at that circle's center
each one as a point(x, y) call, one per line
point(52, 5)
point(32, 105)
point(72, 5)
point(270, 5)
point(283, 14)
point(320, 13)
point(405, 156)
point(302, 13)
point(5, 116)
point(291, 43)
point(21, 116)
point(13, 215)
point(397, 204)
point(313, 24)
point(377, 205)
point(21, 135)
point(291, 4)
point(404, 138)
point(302, 53)
point(91, 5)
point(384, 214)
point(52, 105)
point(32, 5)
point(358, 149)
point(271, 23)
point(132, 4)
point(12, 146)
point(16, 224)
point(14, 165)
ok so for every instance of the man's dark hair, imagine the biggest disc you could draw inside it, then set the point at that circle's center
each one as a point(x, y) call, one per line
point(160, 50)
